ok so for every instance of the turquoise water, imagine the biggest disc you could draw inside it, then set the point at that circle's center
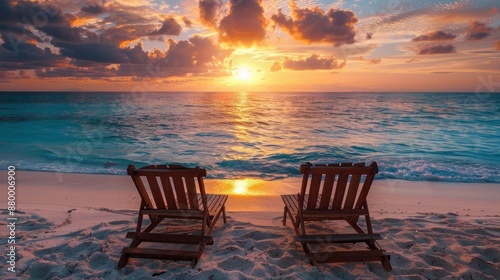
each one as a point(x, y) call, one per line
point(413, 136)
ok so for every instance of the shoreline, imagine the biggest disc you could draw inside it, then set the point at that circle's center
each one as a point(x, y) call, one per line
point(74, 225)
point(389, 195)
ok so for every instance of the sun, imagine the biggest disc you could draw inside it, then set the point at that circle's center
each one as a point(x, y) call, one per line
point(240, 187)
point(243, 73)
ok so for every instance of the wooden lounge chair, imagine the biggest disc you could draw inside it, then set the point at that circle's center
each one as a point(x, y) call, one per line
point(335, 192)
point(172, 192)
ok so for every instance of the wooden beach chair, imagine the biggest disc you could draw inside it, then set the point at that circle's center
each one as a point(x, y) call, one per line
point(167, 193)
point(335, 192)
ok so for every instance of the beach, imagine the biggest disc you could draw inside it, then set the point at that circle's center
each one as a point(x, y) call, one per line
point(73, 226)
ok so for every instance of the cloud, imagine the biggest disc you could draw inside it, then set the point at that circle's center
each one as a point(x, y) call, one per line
point(497, 45)
point(209, 10)
point(314, 62)
point(434, 36)
point(99, 49)
point(198, 55)
point(244, 25)
point(436, 49)
point(478, 31)
point(80, 72)
point(275, 67)
point(315, 26)
point(26, 56)
point(23, 17)
point(99, 52)
point(187, 22)
point(94, 9)
point(169, 27)
point(370, 61)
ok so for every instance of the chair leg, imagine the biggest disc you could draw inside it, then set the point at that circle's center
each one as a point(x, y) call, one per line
point(224, 214)
point(123, 260)
point(386, 263)
point(284, 216)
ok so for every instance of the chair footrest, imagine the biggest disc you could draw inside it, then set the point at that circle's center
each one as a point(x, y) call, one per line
point(171, 238)
point(348, 256)
point(159, 254)
point(338, 238)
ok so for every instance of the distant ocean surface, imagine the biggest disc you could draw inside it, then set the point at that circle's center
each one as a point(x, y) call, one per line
point(451, 137)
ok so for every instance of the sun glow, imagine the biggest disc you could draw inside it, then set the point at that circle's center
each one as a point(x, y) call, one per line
point(240, 187)
point(243, 73)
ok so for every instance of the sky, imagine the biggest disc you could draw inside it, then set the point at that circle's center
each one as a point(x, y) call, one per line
point(250, 45)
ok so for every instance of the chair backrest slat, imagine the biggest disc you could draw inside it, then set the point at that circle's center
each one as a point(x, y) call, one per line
point(352, 192)
point(142, 191)
point(180, 192)
point(366, 186)
point(340, 191)
point(156, 192)
point(168, 191)
point(326, 194)
point(191, 191)
point(314, 191)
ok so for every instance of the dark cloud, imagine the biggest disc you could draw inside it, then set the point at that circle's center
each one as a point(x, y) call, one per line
point(69, 34)
point(26, 56)
point(244, 25)
point(169, 27)
point(314, 62)
point(434, 36)
point(103, 50)
point(93, 9)
point(97, 72)
point(198, 55)
point(497, 45)
point(478, 31)
point(275, 67)
point(209, 10)
point(315, 26)
point(103, 53)
point(436, 49)
point(369, 36)
point(23, 17)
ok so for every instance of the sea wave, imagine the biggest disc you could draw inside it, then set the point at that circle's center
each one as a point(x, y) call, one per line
point(419, 137)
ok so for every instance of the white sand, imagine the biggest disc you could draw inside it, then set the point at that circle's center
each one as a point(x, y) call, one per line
point(73, 226)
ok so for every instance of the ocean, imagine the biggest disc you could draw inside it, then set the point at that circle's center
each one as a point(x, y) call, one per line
point(449, 137)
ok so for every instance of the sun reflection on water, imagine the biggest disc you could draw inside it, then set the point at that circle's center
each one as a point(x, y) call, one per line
point(247, 186)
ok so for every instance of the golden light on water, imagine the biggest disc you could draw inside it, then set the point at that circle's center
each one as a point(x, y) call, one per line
point(247, 187)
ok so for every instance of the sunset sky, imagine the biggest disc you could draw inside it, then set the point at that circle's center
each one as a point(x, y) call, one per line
point(250, 45)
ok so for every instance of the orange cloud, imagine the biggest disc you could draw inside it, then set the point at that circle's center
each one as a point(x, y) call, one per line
point(497, 45)
point(315, 26)
point(275, 67)
point(478, 31)
point(314, 62)
point(244, 25)
point(435, 36)
point(370, 61)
